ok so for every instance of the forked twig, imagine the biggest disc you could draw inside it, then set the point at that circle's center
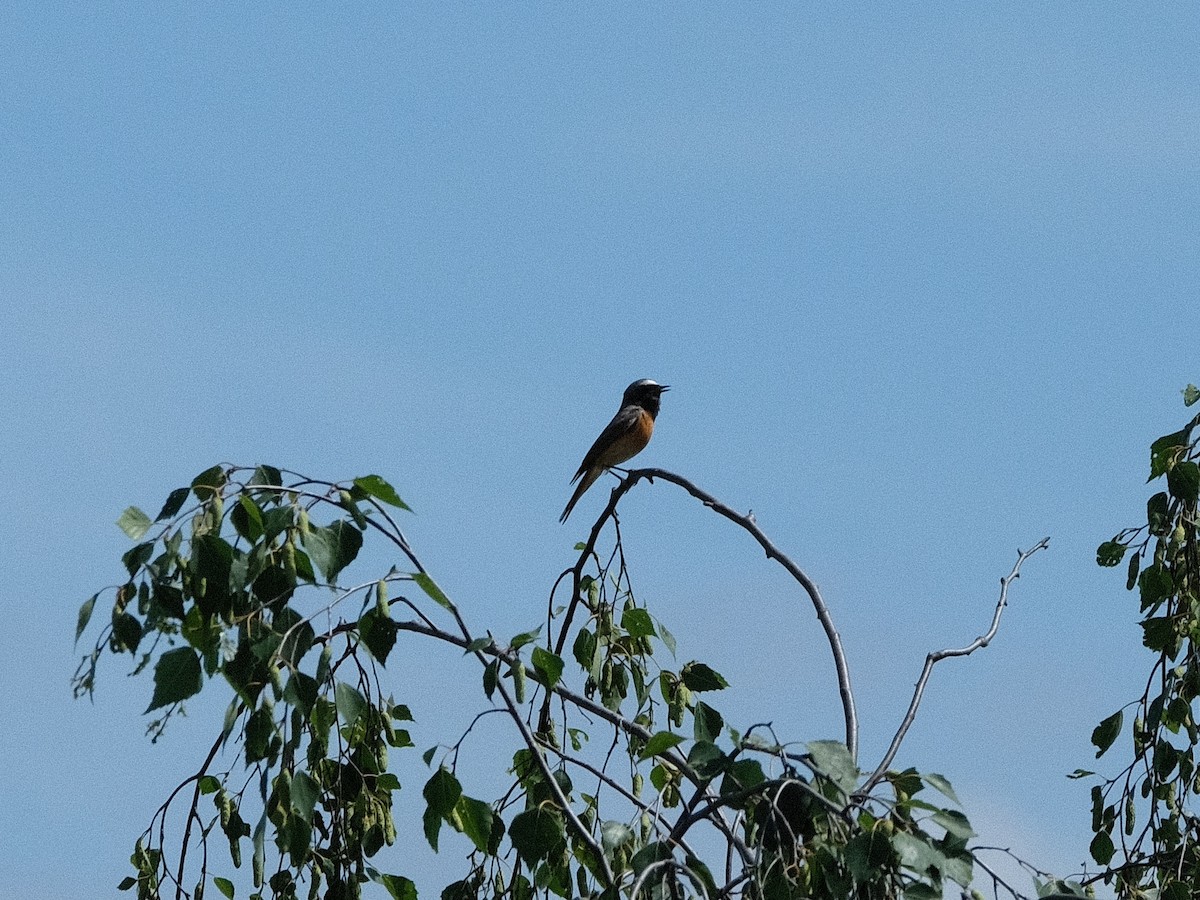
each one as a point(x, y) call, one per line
point(937, 656)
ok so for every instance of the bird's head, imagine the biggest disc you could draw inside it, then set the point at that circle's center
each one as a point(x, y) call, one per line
point(644, 393)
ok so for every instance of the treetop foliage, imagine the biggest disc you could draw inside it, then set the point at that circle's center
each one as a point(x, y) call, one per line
point(626, 778)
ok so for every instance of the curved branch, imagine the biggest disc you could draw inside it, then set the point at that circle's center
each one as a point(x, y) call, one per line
point(937, 656)
point(814, 595)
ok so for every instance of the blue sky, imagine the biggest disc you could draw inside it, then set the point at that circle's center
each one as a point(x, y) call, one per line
point(922, 279)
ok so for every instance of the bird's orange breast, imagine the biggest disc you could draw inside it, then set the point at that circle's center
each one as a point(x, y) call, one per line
point(631, 443)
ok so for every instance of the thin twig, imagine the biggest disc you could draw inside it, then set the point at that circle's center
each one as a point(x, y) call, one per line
point(937, 656)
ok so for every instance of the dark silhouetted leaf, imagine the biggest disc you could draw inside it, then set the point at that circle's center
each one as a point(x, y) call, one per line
point(332, 549)
point(176, 677)
point(535, 833)
point(1106, 732)
point(1135, 561)
point(208, 483)
point(442, 792)
point(174, 504)
point(378, 632)
point(1102, 848)
point(127, 632)
point(1183, 481)
point(707, 722)
point(699, 677)
point(1110, 553)
point(1158, 634)
point(1155, 585)
point(1158, 514)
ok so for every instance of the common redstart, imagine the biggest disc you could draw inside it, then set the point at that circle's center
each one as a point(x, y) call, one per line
point(623, 438)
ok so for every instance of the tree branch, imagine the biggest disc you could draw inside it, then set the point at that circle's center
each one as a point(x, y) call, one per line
point(937, 656)
point(814, 595)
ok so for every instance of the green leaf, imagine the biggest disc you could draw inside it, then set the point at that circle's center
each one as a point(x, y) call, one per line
point(955, 823)
point(535, 833)
point(1158, 514)
point(208, 483)
point(1158, 633)
point(667, 638)
point(260, 732)
point(304, 795)
point(480, 643)
point(491, 673)
point(134, 523)
point(834, 760)
point(247, 519)
point(301, 691)
point(1106, 732)
point(175, 501)
point(1155, 585)
point(921, 891)
point(1080, 773)
point(176, 677)
point(638, 622)
point(477, 819)
point(380, 490)
point(399, 887)
point(378, 632)
point(126, 883)
point(660, 743)
point(1191, 394)
point(332, 549)
point(85, 616)
point(441, 792)
point(1110, 553)
point(548, 665)
point(1164, 450)
point(1183, 481)
point(584, 649)
point(707, 722)
point(427, 584)
point(699, 677)
point(224, 885)
point(350, 703)
point(525, 637)
point(1135, 561)
point(866, 853)
point(1102, 848)
point(916, 853)
point(939, 783)
point(742, 776)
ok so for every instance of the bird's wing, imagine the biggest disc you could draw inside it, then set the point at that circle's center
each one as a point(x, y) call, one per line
point(623, 422)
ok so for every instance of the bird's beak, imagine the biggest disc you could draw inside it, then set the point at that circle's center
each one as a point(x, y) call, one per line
point(663, 388)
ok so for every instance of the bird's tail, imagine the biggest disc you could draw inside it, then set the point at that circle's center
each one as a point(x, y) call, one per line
point(589, 478)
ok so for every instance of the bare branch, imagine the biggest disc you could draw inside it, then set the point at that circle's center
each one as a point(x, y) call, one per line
point(814, 595)
point(937, 656)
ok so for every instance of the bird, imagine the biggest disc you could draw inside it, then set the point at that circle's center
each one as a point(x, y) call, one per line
point(623, 438)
